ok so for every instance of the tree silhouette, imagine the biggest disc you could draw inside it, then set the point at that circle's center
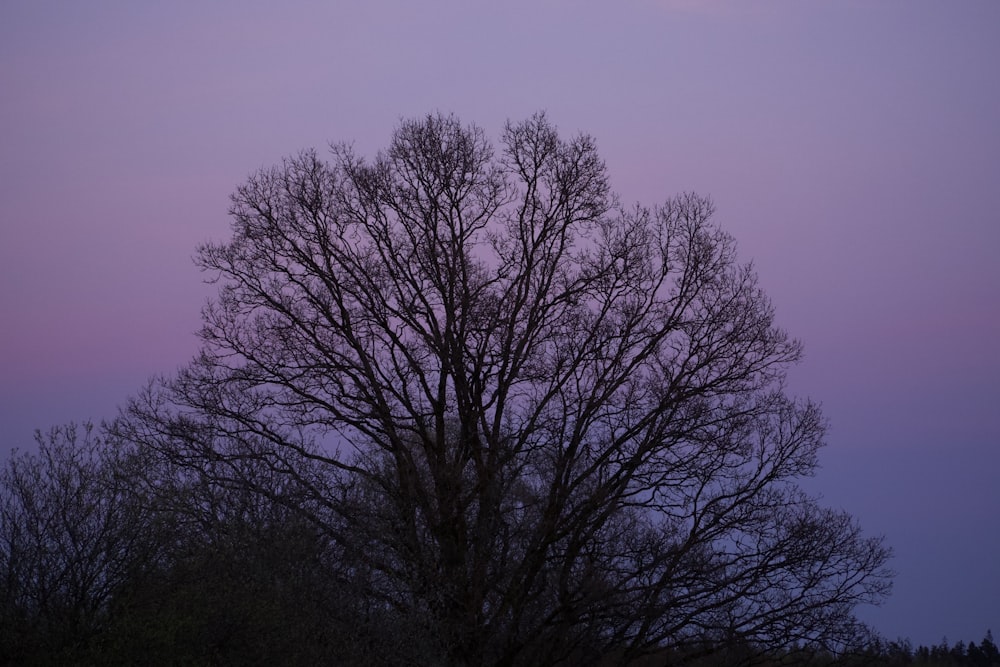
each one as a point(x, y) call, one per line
point(71, 537)
point(539, 426)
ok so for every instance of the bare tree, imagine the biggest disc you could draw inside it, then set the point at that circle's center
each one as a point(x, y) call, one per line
point(71, 536)
point(110, 554)
point(545, 427)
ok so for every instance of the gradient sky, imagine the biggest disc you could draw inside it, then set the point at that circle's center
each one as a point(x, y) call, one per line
point(852, 148)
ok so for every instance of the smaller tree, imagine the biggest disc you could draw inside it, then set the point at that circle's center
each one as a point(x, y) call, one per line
point(958, 652)
point(899, 652)
point(71, 535)
point(941, 652)
point(114, 556)
point(245, 579)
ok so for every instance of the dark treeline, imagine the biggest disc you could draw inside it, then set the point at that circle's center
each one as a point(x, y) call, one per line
point(877, 652)
point(111, 555)
point(901, 652)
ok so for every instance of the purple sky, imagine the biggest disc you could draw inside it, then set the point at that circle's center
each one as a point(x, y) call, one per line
point(853, 149)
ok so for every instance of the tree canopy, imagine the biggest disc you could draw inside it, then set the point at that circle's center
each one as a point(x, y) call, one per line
point(530, 424)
